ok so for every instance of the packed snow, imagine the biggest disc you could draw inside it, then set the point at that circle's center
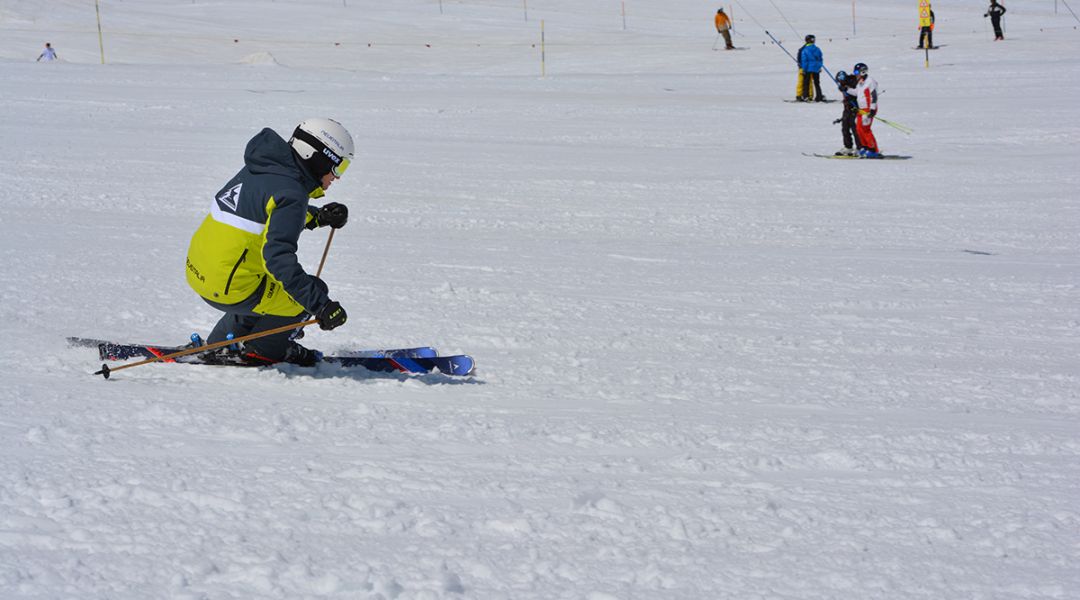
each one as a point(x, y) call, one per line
point(709, 366)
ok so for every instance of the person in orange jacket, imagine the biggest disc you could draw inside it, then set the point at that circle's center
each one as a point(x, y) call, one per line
point(723, 27)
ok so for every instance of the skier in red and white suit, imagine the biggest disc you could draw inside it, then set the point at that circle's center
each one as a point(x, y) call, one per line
point(866, 95)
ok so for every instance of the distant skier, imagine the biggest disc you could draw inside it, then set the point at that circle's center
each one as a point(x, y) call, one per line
point(802, 76)
point(846, 83)
point(995, 12)
point(723, 27)
point(242, 259)
point(810, 63)
point(48, 54)
point(926, 34)
point(866, 96)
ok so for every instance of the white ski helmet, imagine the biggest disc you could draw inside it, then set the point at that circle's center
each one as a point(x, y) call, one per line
point(323, 145)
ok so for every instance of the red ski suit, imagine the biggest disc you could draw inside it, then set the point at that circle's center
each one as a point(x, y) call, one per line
point(866, 95)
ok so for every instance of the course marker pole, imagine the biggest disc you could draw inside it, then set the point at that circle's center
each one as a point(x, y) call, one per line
point(101, 40)
point(543, 51)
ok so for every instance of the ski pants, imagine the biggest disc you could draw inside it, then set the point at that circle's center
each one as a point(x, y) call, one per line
point(847, 126)
point(240, 320)
point(727, 39)
point(926, 35)
point(814, 78)
point(996, 22)
point(862, 129)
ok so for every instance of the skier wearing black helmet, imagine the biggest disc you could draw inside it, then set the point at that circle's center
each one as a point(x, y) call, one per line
point(995, 12)
point(811, 62)
point(846, 83)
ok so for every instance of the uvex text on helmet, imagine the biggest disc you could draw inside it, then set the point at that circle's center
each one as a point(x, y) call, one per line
point(323, 145)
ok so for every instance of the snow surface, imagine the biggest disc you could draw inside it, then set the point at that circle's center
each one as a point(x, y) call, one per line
point(710, 367)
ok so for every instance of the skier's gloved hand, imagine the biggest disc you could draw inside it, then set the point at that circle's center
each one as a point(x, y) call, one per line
point(873, 113)
point(334, 214)
point(331, 315)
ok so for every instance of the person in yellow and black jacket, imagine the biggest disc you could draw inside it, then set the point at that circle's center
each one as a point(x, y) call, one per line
point(242, 259)
point(926, 34)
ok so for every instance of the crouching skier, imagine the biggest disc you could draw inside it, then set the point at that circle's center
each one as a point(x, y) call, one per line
point(242, 259)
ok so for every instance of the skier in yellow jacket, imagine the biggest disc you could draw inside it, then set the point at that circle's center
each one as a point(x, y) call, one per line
point(242, 259)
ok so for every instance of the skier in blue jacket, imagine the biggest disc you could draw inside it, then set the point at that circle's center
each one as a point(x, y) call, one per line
point(811, 62)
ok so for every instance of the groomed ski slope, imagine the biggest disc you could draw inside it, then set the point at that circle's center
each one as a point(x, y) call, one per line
point(709, 366)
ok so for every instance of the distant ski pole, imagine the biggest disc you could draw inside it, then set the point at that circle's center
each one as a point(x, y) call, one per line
point(902, 128)
point(106, 371)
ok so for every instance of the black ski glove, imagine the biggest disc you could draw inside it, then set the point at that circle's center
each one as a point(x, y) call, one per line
point(331, 316)
point(334, 214)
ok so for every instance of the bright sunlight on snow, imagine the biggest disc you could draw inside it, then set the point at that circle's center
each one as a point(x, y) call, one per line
point(709, 365)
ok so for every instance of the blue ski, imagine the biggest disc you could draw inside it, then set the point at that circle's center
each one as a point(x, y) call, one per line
point(421, 359)
point(119, 351)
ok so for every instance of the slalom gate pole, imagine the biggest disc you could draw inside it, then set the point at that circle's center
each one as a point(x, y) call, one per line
point(325, 252)
point(543, 51)
point(101, 39)
point(902, 128)
point(106, 371)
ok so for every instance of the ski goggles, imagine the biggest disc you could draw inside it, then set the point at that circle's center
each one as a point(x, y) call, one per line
point(339, 169)
point(326, 158)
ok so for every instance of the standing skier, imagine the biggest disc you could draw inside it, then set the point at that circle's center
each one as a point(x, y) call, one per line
point(846, 83)
point(926, 34)
point(802, 76)
point(723, 27)
point(866, 98)
point(810, 62)
point(48, 54)
point(995, 12)
point(242, 259)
